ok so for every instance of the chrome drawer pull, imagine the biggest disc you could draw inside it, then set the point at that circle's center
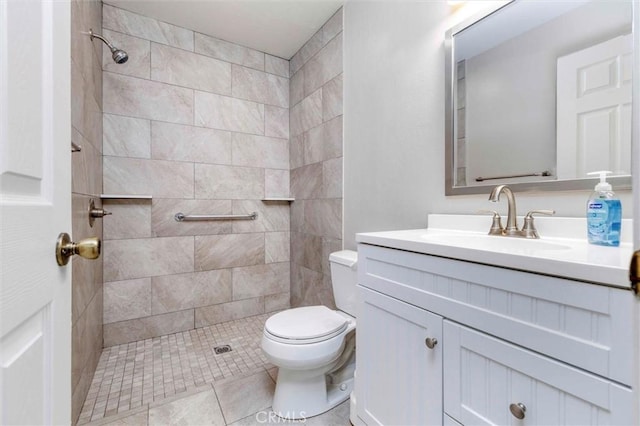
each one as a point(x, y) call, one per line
point(431, 342)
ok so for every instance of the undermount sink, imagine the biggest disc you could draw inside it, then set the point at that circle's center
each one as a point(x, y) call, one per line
point(492, 242)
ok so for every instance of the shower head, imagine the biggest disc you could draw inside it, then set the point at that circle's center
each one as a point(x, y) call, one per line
point(119, 56)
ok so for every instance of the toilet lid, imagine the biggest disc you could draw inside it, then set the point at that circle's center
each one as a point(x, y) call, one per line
point(308, 323)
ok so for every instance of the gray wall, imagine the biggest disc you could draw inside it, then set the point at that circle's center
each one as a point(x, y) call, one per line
point(394, 123)
point(86, 131)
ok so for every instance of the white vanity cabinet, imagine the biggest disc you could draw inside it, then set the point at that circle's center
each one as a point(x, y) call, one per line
point(509, 343)
point(395, 365)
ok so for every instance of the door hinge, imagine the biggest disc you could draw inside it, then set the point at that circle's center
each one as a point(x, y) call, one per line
point(634, 272)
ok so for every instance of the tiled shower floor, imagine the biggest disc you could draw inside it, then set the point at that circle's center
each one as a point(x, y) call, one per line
point(133, 375)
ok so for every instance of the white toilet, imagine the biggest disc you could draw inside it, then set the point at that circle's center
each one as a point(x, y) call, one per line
point(314, 347)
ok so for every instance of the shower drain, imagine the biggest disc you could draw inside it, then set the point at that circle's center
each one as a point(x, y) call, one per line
point(222, 349)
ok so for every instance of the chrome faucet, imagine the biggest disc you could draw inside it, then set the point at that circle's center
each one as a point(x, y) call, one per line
point(511, 230)
point(512, 224)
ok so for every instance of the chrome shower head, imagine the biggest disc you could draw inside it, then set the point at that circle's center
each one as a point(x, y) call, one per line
point(119, 56)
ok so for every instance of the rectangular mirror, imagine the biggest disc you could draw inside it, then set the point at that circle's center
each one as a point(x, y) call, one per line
point(538, 93)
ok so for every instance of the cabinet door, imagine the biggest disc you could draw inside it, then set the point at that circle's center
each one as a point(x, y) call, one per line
point(486, 378)
point(399, 378)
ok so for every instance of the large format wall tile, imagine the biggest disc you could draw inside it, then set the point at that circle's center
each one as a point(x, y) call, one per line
point(332, 98)
point(176, 66)
point(260, 280)
point(228, 182)
point(223, 312)
point(306, 114)
point(324, 217)
point(277, 302)
point(148, 257)
point(166, 179)
point(276, 122)
point(306, 52)
point(124, 300)
point(226, 113)
point(202, 125)
point(86, 125)
point(332, 178)
point(259, 86)
point(306, 182)
point(229, 52)
point(296, 151)
point(277, 246)
point(126, 136)
point(128, 219)
point(276, 183)
point(271, 216)
point(277, 66)
point(141, 26)
point(316, 163)
point(176, 142)
point(86, 111)
point(324, 66)
point(86, 167)
point(144, 328)
point(332, 27)
point(228, 251)
point(165, 225)
point(259, 151)
point(323, 142)
point(179, 292)
point(140, 98)
point(296, 88)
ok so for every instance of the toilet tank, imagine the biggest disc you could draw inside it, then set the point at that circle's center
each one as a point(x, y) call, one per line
point(344, 277)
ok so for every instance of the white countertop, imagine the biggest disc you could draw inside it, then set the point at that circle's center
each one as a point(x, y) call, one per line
point(562, 249)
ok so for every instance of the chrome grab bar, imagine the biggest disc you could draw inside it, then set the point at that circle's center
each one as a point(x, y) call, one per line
point(545, 173)
point(181, 217)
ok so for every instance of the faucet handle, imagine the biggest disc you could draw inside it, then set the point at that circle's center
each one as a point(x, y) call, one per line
point(496, 225)
point(529, 229)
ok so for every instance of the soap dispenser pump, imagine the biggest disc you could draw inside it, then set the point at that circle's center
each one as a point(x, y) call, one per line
point(604, 213)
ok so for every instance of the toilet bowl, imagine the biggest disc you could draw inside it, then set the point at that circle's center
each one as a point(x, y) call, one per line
point(314, 348)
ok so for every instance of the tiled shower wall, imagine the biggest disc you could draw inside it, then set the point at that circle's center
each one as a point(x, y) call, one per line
point(316, 163)
point(86, 131)
point(201, 125)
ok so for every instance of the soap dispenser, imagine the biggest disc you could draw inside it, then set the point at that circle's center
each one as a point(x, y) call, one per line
point(604, 214)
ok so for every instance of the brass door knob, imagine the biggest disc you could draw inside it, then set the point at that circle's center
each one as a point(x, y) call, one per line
point(89, 248)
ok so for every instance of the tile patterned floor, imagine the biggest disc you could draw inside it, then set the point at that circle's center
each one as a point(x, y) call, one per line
point(145, 374)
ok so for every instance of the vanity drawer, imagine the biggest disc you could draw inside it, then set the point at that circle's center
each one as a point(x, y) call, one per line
point(484, 376)
point(579, 323)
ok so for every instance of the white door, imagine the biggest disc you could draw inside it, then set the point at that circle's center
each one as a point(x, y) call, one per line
point(594, 109)
point(35, 206)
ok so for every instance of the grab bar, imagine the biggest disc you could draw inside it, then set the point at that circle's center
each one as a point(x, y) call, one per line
point(181, 217)
point(545, 173)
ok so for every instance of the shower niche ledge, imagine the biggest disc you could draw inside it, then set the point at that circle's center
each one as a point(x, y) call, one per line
point(125, 197)
point(278, 199)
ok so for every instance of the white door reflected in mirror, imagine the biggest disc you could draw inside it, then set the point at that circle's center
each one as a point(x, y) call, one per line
point(594, 109)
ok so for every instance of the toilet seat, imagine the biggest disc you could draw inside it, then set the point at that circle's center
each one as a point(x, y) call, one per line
point(306, 325)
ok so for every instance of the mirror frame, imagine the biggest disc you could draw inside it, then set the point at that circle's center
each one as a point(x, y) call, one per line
point(618, 182)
